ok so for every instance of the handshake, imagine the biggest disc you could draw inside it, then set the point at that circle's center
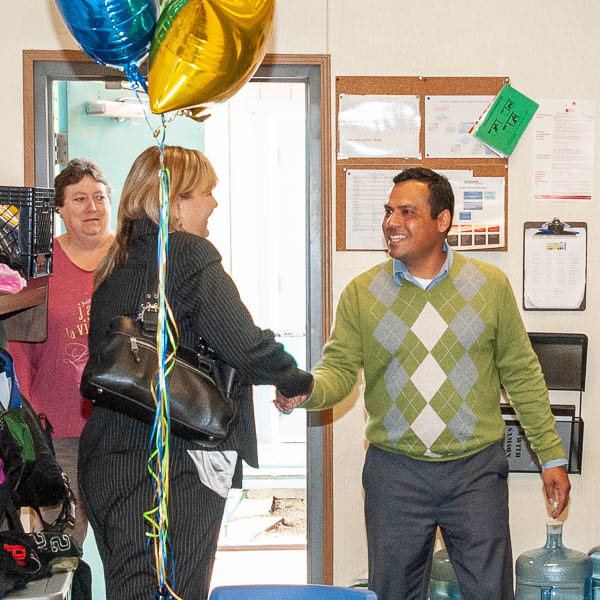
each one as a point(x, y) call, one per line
point(287, 405)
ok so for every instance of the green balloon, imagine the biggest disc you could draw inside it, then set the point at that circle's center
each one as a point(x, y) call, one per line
point(168, 15)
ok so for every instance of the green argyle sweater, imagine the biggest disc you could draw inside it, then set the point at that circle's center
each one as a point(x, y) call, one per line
point(433, 363)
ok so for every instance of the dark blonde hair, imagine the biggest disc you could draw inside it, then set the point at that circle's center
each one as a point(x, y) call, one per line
point(74, 172)
point(189, 170)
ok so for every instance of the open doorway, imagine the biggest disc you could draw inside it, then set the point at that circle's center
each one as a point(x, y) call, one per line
point(257, 142)
point(39, 84)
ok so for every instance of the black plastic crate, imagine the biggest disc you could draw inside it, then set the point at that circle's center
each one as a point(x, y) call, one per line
point(26, 229)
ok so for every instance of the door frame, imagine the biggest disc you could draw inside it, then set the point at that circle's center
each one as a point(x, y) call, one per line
point(41, 67)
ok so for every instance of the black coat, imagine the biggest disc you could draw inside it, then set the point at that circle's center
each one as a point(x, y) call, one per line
point(205, 303)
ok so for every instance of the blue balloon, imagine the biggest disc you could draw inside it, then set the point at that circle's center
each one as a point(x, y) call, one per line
point(113, 32)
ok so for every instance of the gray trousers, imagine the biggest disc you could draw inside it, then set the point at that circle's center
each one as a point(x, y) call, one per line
point(407, 499)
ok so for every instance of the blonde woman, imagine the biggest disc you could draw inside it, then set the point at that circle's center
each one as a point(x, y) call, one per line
point(114, 480)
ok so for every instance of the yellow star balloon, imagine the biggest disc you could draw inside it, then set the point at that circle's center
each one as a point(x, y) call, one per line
point(204, 51)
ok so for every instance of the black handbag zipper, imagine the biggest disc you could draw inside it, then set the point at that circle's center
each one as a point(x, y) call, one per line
point(136, 343)
point(134, 349)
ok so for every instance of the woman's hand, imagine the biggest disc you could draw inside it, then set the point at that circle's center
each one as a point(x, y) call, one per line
point(287, 405)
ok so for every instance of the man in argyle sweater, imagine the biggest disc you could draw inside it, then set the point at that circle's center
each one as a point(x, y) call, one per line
point(436, 334)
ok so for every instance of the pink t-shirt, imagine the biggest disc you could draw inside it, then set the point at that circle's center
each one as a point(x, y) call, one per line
point(49, 373)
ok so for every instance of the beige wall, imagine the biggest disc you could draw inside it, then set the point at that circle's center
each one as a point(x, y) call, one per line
point(29, 25)
point(548, 48)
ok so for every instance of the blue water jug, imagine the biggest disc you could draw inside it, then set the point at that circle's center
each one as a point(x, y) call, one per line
point(553, 572)
point(594, 554)
point(443, 584)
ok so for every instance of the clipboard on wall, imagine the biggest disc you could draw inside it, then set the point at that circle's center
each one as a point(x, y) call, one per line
point(554, 265)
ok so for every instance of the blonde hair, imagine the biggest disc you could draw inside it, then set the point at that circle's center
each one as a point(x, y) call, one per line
point(189, 170)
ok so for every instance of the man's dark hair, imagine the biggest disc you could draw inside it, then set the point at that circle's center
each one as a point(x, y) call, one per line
point(441, 196)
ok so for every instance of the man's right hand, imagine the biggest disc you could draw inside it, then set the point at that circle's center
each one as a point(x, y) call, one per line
point(287, 405)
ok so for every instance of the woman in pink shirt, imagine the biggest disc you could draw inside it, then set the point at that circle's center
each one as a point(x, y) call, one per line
point(49, 373)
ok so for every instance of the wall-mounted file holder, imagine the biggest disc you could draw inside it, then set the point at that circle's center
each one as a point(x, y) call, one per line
point(563, 358)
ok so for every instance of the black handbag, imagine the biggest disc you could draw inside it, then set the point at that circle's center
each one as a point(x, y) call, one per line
point(202, 389)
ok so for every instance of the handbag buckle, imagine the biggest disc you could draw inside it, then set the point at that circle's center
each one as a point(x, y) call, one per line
point(149, 317)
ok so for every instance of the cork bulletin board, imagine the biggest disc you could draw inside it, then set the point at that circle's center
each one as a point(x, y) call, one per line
point(419, 87)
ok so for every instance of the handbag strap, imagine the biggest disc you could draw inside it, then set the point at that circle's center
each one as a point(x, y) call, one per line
point(149, 302)
point(149, 305)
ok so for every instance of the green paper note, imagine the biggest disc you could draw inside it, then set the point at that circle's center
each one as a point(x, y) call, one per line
point(505, 120)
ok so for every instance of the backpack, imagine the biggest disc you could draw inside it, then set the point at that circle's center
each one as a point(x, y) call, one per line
point(30, 476)
point(36, 479)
